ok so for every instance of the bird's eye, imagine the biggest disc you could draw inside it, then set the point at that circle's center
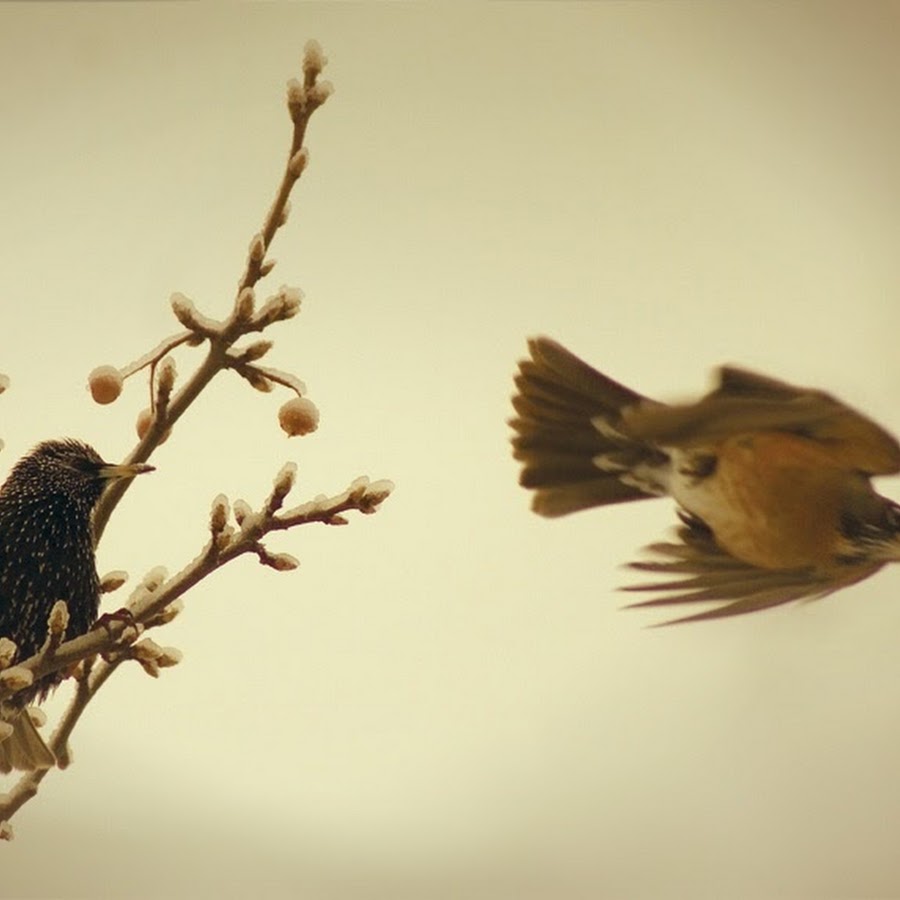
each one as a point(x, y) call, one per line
point(80, 464)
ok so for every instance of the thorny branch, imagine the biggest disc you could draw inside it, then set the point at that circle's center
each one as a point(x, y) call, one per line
point(235, 531)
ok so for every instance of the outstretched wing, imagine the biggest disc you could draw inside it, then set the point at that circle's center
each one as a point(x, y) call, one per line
point(704, 573)
point(744, 402)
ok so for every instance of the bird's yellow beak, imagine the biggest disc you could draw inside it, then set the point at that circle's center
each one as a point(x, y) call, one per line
point(112, 472)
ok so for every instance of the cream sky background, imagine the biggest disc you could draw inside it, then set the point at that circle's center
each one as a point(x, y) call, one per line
point(445, 699)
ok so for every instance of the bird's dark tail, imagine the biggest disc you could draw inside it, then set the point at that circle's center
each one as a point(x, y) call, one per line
point(566, 436)
point(24, 749)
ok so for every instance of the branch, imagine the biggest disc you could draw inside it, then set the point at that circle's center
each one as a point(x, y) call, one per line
point(117, 638)
point(154, 602)
point(303, 99)
point(227, 542)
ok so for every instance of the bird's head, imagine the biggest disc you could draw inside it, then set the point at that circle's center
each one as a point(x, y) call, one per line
point(69, 467)
point(873, 535)
point(887, 534)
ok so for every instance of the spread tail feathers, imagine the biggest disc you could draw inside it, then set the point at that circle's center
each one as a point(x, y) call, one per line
point(566, 436)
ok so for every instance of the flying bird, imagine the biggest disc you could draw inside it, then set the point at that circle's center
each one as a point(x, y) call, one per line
point(772, 481)
point(46, 555)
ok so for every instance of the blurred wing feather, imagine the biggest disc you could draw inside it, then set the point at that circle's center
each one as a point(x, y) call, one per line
point(745, 402)
point(706, 574)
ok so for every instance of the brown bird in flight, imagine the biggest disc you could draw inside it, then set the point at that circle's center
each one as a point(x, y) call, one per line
point(772, 481)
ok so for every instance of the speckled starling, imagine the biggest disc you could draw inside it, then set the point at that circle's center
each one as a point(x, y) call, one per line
point(47, 554)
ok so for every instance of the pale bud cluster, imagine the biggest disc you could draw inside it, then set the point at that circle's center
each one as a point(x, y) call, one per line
point(298, 162)
point(305, 96)
point(296, 98)
point(245, 304)
point(166, 614)
point(319, 93)
point(8, 652)
point(280, 562)
point(242, 511)
point(189, 316)
point(282, 485)
point(314, 58)
point(154, 579)
point(257, 248)
point(255, 351)
point(106, 382)
point(112, 581)
point(280, 306)
point(376, 493)
point(367, 495)
point(58, 621)
point(289, 299)
point(152, 657)
point(257, 379)
point(15, 678)
point(218, 517)
point(166, 378)
point(184, 309)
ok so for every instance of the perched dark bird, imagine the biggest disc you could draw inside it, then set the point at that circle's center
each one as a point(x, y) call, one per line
point(773, 482)
point(47, 554)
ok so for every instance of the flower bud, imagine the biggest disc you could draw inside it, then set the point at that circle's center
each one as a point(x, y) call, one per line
point(257, 248)
point(58, 621)
point(314, 59)
point(15, 678)
point(299, 162)
point(218, 518)
point(112, 581)
point(8, 652)
point(242, 510)
point(282, 562)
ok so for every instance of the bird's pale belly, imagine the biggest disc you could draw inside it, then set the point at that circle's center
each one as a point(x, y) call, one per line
point(773, 499)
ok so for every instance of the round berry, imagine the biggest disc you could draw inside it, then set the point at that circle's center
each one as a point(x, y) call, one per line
point(105, 383)
point(144, 421)
point(298, 417)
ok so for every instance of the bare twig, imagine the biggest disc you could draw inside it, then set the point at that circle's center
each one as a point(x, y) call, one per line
point(304, 98)
point(154, 596)
point(93, 657)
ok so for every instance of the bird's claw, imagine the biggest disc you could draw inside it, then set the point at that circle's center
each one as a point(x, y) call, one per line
point(124, 615)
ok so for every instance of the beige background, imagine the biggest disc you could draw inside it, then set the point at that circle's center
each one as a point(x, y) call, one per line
point(445, 700)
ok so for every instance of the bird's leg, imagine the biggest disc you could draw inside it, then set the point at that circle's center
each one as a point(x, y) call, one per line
point(123, 615)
